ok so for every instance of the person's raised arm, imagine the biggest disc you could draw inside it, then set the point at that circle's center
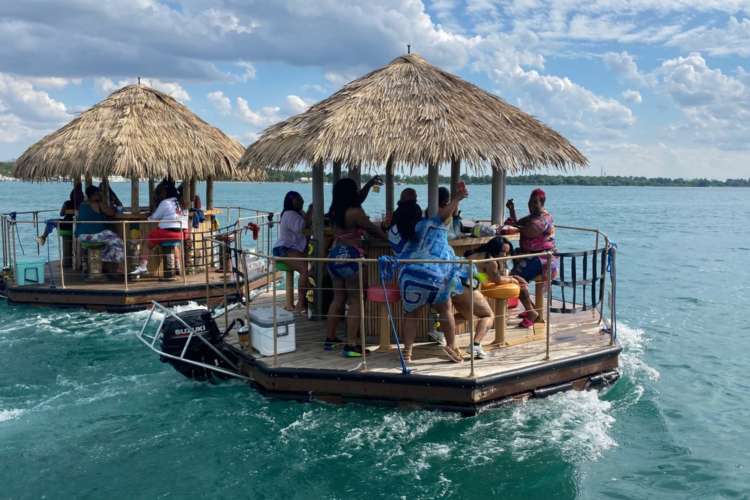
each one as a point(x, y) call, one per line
point(450, 208)
point(374, 181)
point(511, 209)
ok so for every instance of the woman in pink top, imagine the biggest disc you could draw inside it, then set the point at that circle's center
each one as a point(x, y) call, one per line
point(292, 241)
point(537, 235)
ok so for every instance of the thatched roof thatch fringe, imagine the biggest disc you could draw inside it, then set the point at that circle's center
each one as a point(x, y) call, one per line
point(421, 115)
point(135, 132)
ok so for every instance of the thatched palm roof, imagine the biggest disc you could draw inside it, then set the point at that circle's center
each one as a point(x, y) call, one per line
point(135, 132)
point(420, 115)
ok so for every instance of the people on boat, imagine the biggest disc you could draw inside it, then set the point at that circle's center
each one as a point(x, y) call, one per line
point(408, 199)
point(292, 241)
point(114, 200)
point(67, 214)
point(537, 234)
point(92, 214)
point(493, 272)
point(350, 224)
point(429, 284)
point(172, 224)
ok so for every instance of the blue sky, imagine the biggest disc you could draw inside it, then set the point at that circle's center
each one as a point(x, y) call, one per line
point(643, 87)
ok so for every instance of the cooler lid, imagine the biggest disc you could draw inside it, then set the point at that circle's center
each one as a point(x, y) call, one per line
point(263, 317)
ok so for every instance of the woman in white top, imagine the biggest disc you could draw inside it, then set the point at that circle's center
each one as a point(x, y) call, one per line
point(173, 224)
point(292, 241)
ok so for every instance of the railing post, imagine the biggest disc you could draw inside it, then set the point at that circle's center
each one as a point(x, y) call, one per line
point(613, 306)
point(471, 319)
point(275, 327)
point(224, 273)
point(549, 299)
point(183, 251)
point(362, 316)
point(61, 254)
point(124, 254)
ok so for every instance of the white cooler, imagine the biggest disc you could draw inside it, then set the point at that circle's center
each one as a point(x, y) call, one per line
point(261, 320)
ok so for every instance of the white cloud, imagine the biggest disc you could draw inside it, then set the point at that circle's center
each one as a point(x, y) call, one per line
point(221, 102)
point(27, 113)
point(261, 118)
point(296, 104)
point(625, 67)
point(249, 71)
point(107, 86)
point(715, 106)
point(632, 96)
point(734, 38)
point(19, 97)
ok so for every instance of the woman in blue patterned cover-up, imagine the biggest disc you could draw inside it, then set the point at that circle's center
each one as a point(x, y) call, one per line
point(421, 283)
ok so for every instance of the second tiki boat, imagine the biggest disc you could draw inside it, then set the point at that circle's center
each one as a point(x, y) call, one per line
point(136, 133)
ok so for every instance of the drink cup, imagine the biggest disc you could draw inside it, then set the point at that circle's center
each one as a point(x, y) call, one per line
point(375, 188)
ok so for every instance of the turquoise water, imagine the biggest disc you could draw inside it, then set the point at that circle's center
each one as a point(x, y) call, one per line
point(86, 412)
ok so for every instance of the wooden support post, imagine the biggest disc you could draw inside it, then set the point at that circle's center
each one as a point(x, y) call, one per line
point(186, 193)
point(151, 194)
point(193, 187)
point(209, 193)
point(390, 188)
point(355, 173)
point(135, 204)
point(336, 172)
point(105, 191)
point(539, 298)
point(498, 194)
point(455, 175)
point(318, 231)
point(432, 189)
point(289, 289)
point(501, 311)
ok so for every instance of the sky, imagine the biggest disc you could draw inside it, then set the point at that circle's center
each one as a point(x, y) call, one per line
point(642, 87)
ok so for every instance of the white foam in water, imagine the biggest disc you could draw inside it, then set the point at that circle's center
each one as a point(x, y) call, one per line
point(633, 341)
point(6, 415)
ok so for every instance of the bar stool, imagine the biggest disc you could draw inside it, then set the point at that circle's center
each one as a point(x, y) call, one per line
point(390, 295)
point(288, 283)
point(169, 261)
point(501, 294)
point(92, 258)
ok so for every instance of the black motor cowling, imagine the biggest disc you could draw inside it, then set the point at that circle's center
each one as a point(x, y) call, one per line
point(175, 335)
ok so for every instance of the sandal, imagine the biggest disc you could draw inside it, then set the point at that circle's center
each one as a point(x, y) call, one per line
point(526, 323)
point(453, 356)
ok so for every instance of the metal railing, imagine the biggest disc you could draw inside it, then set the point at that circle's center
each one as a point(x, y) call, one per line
point(201, 249)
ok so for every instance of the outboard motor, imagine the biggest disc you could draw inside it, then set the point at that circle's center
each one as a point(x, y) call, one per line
point(175, 335)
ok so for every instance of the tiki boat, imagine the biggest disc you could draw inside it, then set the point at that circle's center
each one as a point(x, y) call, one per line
point(409, 114)
point(136, 133)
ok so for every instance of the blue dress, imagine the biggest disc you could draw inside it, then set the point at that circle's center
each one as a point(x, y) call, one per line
point(421, 283)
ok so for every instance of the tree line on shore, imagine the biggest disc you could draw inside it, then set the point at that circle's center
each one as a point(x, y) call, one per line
point(537, 180)
point(6, 169)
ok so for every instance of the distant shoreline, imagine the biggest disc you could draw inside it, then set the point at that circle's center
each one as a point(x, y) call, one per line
point(6, 171)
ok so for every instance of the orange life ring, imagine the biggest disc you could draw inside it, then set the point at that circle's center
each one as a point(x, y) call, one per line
point(501, 291)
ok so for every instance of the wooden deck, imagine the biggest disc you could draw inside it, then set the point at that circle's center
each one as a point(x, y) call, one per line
point(579, 353)
point(113, 295)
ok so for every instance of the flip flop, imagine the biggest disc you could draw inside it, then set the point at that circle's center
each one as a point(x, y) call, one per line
point(452, 355)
